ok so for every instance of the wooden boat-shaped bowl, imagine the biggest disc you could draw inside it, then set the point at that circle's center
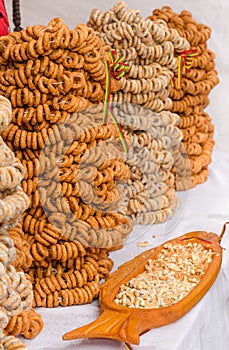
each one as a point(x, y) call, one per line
point(126, 324)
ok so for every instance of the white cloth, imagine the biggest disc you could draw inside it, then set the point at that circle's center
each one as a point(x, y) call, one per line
point(206, 326)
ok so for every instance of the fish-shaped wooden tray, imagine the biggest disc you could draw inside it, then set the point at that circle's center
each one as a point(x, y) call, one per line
point(126, 324)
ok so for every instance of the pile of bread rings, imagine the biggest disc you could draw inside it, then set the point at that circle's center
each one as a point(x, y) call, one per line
point(15, 289)
point(149, 195)
point(190, 101)
point(73, 167)
point(143, 107)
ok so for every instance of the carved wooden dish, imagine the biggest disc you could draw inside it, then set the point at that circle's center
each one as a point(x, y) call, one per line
point(126, 324)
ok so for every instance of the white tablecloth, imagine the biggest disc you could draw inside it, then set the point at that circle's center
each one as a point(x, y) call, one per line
point(206, 326)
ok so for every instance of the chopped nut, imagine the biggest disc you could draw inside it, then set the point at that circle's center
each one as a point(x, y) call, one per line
point(167, 279)
point(143, 244)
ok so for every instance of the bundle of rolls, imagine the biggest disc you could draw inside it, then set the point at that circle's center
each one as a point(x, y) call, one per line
point(27, 323)
point(15, 289)
point(55, 78)
point(191, 100)
point(143, 107)
point(149, 195)
point(75, 226)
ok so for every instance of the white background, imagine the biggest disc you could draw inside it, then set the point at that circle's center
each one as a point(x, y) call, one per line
point(206, 326)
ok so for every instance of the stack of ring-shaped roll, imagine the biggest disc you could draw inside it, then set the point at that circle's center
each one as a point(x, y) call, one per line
point(73, 223)
point(74, 169)
point(191, 100)
point(142, 106)
point(15, 289)
point(149, 196)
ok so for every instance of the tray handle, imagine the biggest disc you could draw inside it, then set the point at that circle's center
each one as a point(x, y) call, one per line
point(110, 324)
